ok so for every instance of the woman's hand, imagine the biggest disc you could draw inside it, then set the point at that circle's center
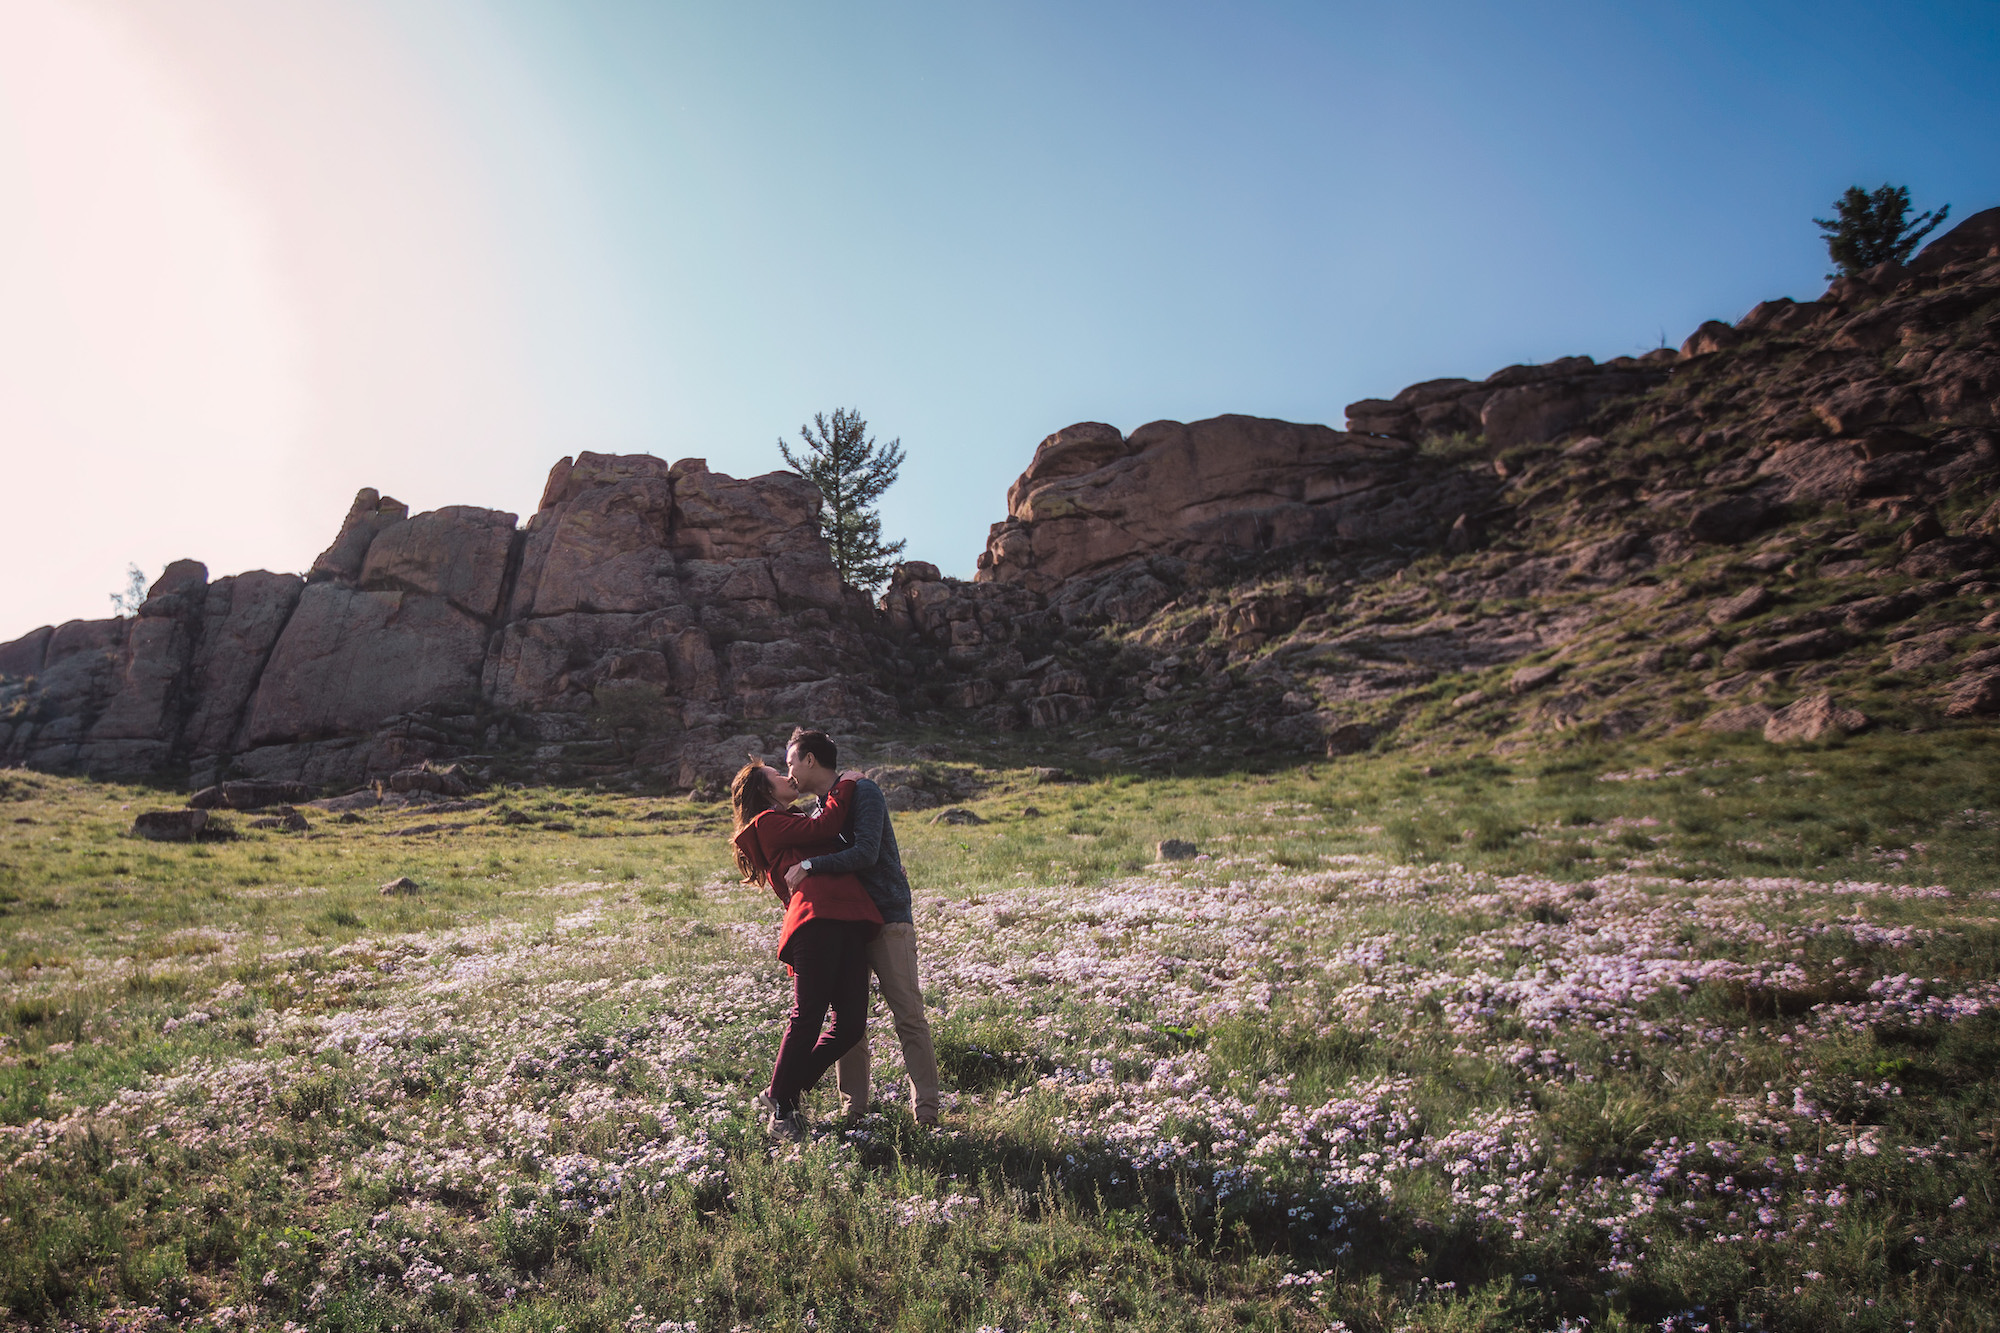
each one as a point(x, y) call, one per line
point(850, 775)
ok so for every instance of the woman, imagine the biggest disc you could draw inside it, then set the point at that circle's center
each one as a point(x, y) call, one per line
point(829, 920)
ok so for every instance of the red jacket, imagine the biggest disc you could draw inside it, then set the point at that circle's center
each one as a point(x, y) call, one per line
point(777, 840)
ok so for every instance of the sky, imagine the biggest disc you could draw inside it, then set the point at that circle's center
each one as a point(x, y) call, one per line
point(254, 257)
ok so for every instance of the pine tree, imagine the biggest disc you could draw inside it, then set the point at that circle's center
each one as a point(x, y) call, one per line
point(127, 603)
point(1870, 228)
point(851, 473)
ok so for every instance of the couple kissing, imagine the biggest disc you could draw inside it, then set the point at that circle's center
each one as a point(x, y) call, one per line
point(836, 870)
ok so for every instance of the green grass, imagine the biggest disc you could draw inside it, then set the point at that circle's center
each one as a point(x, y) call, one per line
point(331, 1096)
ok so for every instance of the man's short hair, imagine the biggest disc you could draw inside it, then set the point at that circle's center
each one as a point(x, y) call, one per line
point(817, 744)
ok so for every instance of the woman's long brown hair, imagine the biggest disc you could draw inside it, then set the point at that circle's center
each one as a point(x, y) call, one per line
point(750, 795)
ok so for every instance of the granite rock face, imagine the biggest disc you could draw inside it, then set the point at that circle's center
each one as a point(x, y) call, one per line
point(242, 617)
point(1517, 405)
point(371, 514)
point(107, 696)
point(645, 613)
point(599, 541)
point(458, 553)
point(1093, 501)
point(350, 657)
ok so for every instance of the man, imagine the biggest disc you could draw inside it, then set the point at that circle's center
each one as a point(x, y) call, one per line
point(872, 856)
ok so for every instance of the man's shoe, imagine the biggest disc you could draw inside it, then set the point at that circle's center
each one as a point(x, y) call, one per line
point(927, 1120)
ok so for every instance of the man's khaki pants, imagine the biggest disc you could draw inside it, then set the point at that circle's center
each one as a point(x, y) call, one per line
point(893, 957)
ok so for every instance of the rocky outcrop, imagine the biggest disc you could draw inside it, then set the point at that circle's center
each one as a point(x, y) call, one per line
point(1093, 501)
point(242, 617)
point(1518, 405)
point(350, 657)
point(369, 515)
point(457, 554)
point(171, 825)
point(24, 656)
point(647, 612)
point(1814, 718)
point(683, 609)
point(1651, 529)
point(1798, 507)
point(106, 695)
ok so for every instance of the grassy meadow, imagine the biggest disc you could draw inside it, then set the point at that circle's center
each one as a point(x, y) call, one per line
point(1689, 1034)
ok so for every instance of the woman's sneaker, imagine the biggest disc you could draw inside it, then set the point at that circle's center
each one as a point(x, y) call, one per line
point(777, 1123)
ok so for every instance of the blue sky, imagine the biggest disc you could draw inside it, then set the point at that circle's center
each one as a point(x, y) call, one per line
point(683, 229)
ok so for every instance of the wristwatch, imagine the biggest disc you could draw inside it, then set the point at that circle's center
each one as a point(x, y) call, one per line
point(806, 865)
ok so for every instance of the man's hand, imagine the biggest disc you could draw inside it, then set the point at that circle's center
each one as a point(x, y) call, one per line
point(793, 876)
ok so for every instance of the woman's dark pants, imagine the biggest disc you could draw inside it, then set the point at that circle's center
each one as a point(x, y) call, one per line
point(830, 971)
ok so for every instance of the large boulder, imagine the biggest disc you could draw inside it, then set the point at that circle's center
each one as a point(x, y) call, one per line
point(1963, 386)
point(135, 730)
point(1714, 335)
point(107, 696)
point(1434, 407)
point(458, 553)
point(80, 646)
point(23, 657)
point(718, 517)
point(1092, 500)
point(1742, 606)
point(1814, 718)
point(170, 825)
point(1945, 556)
point(180, 583)
point(1747, 717)
point(1975, 694)
point(615, 531)
point(599, 542)
point(1538, 413)
point(1852, 408)
point(1533, 413)
point(1780, 315)
point(242, 618)
point(349, 659)
point(370, 514)
point(1730, 519)
point(1379, 416)
point(1815, 470)
point(704, 595)
point(1528, 404)
point(1073, 451)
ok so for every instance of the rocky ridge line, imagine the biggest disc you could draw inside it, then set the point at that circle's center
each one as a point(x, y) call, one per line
point(1794, 506)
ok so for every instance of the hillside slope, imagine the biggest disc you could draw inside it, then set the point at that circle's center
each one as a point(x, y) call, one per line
point(1800, 504)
